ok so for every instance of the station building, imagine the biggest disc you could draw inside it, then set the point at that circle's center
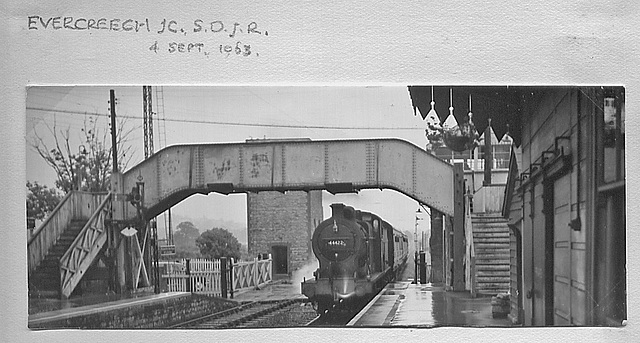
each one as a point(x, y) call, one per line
point(564, 197)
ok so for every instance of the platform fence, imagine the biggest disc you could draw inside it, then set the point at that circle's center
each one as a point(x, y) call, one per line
point(220, 277)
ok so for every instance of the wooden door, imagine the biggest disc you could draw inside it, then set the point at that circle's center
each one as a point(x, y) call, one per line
point(539, 294)
point(527, 259)
point(561, 252)
point(280, 259)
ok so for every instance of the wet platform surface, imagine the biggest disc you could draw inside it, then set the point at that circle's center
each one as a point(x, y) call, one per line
point(405, 304)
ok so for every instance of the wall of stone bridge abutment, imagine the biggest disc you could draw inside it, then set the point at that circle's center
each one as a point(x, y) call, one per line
point(176, 172)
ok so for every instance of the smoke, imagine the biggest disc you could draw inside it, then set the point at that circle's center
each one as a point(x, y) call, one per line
point(305, 271)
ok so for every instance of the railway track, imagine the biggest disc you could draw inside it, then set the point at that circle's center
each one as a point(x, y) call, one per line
point(338, 317)
point(281, 313)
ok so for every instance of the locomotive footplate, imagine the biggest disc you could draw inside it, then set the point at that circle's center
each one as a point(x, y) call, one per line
point(342, 288)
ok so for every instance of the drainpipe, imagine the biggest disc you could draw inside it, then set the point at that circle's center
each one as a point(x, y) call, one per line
point(488, 152)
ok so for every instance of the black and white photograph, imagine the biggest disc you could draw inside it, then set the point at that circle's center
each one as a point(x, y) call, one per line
point(312, 171)
point(227, 207)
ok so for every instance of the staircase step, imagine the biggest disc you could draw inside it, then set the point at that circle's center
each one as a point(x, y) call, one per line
point(492, 283)
point(487, 231)
point(493, 274)
point(494, 251)
point(59, 249)
point(45, 273)
point(46, 278)
point(46, 283)
point(493, 267)
point(489, 228)
point(490, 233)
point(490, 246)
point(492, 220)
point(483, 244)
point(487, 254)
point(492, 290)
point(492, 216)
point(491, 262)
point(484, 260)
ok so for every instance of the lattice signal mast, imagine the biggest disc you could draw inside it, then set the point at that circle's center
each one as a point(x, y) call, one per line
point(147, 121)
point(162, 140)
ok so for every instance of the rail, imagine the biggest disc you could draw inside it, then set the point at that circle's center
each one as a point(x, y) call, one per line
point(75, 205)
point(84, 249)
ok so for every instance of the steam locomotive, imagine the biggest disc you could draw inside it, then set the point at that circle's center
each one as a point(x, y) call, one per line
point(358, 254)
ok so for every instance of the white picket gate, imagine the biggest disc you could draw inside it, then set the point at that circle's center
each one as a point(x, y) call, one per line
point(205, 276)
point(252, 274)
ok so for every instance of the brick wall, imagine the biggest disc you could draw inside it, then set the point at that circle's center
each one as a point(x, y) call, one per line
point(157, 313)
point(287, 220)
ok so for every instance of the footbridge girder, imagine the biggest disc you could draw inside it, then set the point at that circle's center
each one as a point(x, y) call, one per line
point(338, 166)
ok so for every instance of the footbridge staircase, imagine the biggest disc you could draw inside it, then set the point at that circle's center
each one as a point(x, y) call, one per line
point(64, 247)
point(492, 258)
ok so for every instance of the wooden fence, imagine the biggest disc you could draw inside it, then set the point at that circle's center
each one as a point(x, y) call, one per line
point(251, 274)
point(213, 277)
point(489, 198)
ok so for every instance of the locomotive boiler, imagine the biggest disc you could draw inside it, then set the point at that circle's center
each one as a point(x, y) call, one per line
point(358, 254)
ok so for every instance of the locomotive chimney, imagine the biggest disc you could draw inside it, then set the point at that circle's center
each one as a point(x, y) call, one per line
point(337, 210)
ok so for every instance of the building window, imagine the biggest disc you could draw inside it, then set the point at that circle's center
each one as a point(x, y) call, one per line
point(501, 156)
point(613, 136)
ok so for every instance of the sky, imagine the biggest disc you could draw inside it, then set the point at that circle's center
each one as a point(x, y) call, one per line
point(222, 114)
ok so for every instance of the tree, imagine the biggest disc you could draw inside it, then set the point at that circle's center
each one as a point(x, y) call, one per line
point(185, 240)
point(41, 200)
point(217, 242)
point(90, 167)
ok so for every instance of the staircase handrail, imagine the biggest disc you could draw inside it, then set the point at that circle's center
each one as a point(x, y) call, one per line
point(64, 260)
point(53, 213)
point(86, 226)
point(470, 253)
point(38, 246)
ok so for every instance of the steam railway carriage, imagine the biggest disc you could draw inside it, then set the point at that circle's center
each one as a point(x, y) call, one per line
point(358, 253)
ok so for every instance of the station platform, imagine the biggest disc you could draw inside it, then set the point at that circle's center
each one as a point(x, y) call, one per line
point(102, 310)
point(87, 307)
point(404, 304)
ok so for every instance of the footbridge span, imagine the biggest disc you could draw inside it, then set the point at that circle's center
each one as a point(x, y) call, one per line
point(115, 227)
point(338, 166)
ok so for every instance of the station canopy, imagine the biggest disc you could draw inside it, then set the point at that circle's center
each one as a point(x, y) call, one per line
point(505, 105)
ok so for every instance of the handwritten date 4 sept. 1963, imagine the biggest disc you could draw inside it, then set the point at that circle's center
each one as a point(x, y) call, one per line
point(238, 48)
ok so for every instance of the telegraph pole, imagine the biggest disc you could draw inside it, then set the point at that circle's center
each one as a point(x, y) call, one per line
point(114, 149)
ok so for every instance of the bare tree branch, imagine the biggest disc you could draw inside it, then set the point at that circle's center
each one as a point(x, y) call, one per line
point(90, 167)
